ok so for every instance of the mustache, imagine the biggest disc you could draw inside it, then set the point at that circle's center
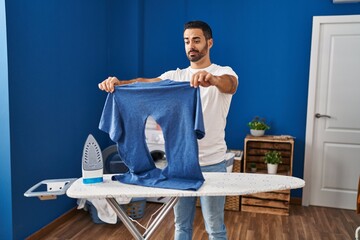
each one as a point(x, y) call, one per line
point(193, 50)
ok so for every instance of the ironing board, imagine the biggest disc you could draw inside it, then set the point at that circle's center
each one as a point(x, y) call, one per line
point(216, 184)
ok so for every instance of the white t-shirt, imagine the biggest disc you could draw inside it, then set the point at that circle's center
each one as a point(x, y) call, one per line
point(215, 106)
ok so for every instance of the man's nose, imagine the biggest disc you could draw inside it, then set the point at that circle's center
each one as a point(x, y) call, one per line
point(191, 45)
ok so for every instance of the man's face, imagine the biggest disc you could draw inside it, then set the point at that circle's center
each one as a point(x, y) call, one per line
point(196, 45)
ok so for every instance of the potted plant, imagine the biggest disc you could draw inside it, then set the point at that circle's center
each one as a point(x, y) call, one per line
point(253, 167)
point(258, 126)
point(272, 159)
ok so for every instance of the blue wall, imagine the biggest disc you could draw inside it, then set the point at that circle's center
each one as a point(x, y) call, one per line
point(125, 27)
point(57, 54)
point(59, 50)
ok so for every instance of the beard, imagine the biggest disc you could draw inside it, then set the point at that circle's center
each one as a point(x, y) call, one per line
point(195, 55)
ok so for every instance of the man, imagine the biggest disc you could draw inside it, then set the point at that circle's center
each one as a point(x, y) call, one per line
point(218, 84)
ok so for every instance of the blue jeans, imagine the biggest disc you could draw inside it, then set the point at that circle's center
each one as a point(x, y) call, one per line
point(212, 210)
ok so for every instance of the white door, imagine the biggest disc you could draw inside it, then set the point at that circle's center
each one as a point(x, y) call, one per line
point(332, 150)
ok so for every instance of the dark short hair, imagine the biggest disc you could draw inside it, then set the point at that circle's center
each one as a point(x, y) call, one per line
point(201, 25)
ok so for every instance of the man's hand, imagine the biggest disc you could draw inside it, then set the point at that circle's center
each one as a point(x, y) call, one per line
point(202, 78)
point(225, 83)
point(109, 84)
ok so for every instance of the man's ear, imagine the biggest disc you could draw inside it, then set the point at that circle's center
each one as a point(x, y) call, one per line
point(210, 42)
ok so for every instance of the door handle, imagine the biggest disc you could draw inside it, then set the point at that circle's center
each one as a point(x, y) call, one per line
point(318, 115)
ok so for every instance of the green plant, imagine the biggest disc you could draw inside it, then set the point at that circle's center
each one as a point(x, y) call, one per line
point(258, 124)
point(273, 157)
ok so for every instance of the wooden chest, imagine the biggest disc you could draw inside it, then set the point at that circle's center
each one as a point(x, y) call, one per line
point(276, 202)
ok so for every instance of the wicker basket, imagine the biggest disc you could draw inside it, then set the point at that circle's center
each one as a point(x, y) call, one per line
point(232, 203)
point(136, 208)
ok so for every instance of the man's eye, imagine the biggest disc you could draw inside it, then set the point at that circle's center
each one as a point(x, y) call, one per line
point(187, 42)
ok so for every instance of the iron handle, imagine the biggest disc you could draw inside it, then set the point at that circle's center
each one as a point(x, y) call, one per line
point(318, 115)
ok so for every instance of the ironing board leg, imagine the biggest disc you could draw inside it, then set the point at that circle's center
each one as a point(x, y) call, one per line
point(160, 217)
point(132, 228)
point(124, 218)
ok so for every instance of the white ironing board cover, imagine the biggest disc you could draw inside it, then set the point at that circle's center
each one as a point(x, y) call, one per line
point(216, 184)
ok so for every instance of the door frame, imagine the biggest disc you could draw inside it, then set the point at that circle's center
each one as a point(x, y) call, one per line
point(312, 89)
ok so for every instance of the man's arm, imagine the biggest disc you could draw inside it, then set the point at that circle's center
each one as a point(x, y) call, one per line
point(225, 83)
point(109, 84)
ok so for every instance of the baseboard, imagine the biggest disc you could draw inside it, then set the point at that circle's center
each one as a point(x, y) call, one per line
point(54, 224)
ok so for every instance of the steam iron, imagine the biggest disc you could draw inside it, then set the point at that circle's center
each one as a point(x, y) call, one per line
point(92, 162)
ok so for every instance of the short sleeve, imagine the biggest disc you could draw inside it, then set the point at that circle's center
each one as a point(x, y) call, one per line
point(229, 71)
point(199, 121)
point(110, 121)
point(167, 75)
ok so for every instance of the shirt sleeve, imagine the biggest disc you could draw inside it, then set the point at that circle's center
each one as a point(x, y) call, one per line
point(199, 122)
point(229, 71)
point(110, 121)
point(168, 75)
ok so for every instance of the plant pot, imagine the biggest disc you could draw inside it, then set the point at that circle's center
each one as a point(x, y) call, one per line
point(272, 168)
point(257, 133)
point(253, 170)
